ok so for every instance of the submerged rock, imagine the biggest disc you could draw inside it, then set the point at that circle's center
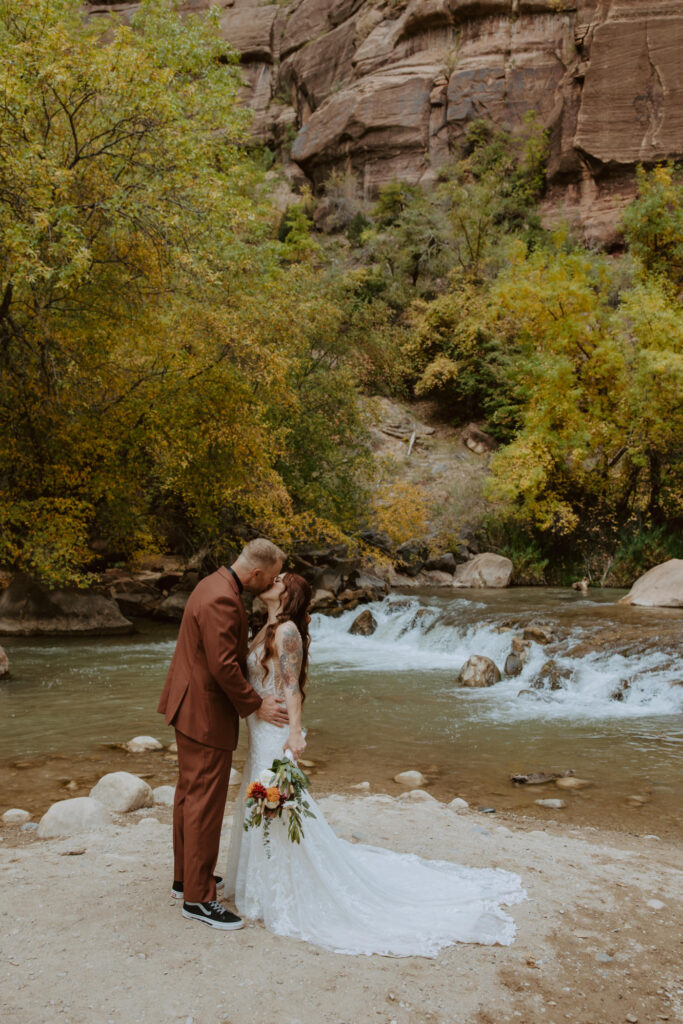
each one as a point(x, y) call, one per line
point(122, 792)
point(479, 671)
point(68, 817)
point(487, 570)
point(364, 624)
point(551, 677)
point(571, 782)
point(661, 587)
point(551, 802)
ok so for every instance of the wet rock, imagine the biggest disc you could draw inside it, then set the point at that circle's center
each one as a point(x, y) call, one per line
point(551, 677)
point(374, 588)
point(4, 663)
point(134, 596)
point(521, 648)
point(661, 587)
point(582, 585)
point(637, 801)
point(487, 570)
point(351, 598)
point(540, 634)
point(122, 792)
point(410, 779)
point(27, 608)
point(555, 804)
point(446, 562)
point(364, 624)
point(322, 600)
point(539, 778)
point(513, 665)
point(605, 958)
point(571, 782)
point(69, 817)
point(15, 816)
point(164, 796)
point(478, 671)
point(655, 904)
point(378, 539)
point(173, 606)
point(142, 744)
point(620, 691)
point(458, 804)
point(434, 578)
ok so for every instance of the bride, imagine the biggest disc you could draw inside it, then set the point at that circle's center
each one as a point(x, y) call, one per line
point(344, 897)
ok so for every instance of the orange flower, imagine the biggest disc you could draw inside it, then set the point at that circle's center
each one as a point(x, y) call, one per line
point(256, 790)
point(273, 795)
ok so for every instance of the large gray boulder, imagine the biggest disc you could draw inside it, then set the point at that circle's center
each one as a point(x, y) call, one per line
point(487, 570)
point(68, 817)
point(122, 792)
point(27, 608)
point(661, 587)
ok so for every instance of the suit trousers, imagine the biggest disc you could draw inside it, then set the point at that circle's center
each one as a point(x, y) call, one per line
point(203, 777)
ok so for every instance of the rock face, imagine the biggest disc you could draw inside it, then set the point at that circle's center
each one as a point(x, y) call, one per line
point(479, 671)
point(487, 570)
point(68, 817)
point(386, 88)
point(29, 609)
point(122, 792)
point(661, 587)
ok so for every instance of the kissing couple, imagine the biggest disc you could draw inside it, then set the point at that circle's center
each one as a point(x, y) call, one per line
point(353, 899)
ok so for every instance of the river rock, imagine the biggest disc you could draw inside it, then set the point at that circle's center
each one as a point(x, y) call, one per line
point(364, 624)
point(539, 633)
point(521, 648)
point(411, 556)
point(458, 804)
point(551, 802)
point(122, 792)
point(551, 677)
point(15, 816)
point(164, 796)
point(479, 671)
point(419, 796)
point(173, 606)
point(4, 663)
point(661, 587)
point(443, 563)
point(322, 600)
point(513, 665)
point(69, 817)
point(142, 744)
point(410, 779)
point(27, 608)
point(571, 782)
point(487, 570)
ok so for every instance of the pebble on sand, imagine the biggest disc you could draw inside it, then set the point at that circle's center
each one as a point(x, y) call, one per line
point(122, 792)
point(418, 795)
point(164, 795)
point(410, 779)
point(15, 816)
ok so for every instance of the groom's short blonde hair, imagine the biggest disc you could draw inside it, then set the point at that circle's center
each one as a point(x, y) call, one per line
point(260, 553)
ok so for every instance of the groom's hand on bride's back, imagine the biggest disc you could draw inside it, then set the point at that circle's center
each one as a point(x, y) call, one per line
point(274, 711)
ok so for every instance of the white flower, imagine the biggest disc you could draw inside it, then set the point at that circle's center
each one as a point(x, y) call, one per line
point(289, 803)
point(272, 805)
point(266, 778)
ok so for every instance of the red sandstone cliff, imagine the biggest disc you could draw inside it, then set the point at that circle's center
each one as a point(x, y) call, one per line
point(385, 88)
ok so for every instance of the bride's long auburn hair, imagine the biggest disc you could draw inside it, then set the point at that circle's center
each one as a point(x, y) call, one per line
point(294, 602)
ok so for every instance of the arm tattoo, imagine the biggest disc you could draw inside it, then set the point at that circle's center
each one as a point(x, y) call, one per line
point(291, 657)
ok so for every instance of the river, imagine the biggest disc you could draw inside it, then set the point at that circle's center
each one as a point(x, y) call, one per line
point(380, 704)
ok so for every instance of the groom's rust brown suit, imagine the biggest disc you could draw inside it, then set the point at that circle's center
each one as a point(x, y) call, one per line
point(205, 695)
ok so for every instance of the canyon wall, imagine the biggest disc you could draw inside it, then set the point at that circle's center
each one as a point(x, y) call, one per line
point(386, 88)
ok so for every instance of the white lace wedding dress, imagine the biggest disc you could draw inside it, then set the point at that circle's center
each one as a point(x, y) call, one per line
point(351, 898)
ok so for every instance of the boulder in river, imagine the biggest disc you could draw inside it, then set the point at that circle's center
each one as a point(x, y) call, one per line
point(364, 624)
point(487, 570)
point(410, 779)
point(141, 744)
point(477, 671)
point(27, 608)
point(122, 792)
point(661, 587)
point(539, 633)
point(551, 677)
point(513, 665)
point(69, 817)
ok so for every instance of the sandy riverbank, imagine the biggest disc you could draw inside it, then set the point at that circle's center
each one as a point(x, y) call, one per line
point(90, 934)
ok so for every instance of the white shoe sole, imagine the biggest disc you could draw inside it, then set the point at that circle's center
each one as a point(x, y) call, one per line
point(231, 927)
point(180, 895)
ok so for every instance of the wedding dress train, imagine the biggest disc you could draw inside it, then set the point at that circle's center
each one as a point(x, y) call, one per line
point(349, 898)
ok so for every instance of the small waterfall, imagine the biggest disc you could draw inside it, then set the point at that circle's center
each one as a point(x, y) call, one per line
point(430, 639)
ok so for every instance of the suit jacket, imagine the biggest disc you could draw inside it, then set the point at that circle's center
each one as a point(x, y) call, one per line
point(206, 691)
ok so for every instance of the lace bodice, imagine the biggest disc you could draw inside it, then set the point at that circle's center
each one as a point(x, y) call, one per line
point(353, 898)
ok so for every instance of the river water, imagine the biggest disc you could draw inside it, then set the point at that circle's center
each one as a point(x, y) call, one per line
point(380, 704)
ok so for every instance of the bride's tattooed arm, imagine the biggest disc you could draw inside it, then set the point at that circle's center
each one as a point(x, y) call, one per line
point(289, 656)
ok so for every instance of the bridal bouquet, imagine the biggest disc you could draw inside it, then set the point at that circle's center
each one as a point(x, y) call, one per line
point(279, 792)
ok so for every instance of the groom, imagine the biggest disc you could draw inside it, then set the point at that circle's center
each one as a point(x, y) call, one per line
point(205, 695)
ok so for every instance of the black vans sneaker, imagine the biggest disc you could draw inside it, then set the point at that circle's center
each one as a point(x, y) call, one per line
point(177, 887)
point(213, 914)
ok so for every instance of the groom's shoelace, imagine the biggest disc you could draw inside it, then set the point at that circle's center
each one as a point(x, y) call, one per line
point(216, 907)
